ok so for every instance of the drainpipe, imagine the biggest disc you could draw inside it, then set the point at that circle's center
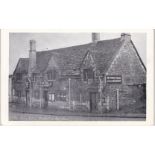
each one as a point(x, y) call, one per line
point(117, 96)
point(69, 94)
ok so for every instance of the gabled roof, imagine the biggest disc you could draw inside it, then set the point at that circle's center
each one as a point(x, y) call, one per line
point(104, 52)
point(69, 59)
point(22, 66)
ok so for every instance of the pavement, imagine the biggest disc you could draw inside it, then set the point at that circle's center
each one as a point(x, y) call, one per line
point(26, 113)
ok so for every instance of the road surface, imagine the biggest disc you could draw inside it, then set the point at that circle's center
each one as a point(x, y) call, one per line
point(15, 116)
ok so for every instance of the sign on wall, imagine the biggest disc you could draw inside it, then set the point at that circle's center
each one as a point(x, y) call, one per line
point(112, 79)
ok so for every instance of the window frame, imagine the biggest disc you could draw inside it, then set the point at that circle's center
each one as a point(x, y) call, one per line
point(52, 75)
point(86, 74)
point(51, 97)
point(35, 77)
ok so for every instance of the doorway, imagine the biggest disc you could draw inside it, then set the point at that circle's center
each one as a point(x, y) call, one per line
point(45, 99)
point(93, 101)
point(27, 97)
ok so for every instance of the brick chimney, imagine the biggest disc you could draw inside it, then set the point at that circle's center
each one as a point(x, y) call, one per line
point(32, 56)
point(95, 37)
point(125, 37)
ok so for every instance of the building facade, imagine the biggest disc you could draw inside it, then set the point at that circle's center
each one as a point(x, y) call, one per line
point(99, 76)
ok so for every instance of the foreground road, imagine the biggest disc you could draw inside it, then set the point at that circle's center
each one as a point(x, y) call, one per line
point(14, 116)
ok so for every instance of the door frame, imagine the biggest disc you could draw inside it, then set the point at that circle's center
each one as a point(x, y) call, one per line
point(27, 97)
point(92, 105)
point(45, 98)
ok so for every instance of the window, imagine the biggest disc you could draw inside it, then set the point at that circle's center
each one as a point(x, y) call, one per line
point(88, 74)
point(51, 75)
point(103, 99)
point(51, 97)
point(18, 76)
point(35, 77)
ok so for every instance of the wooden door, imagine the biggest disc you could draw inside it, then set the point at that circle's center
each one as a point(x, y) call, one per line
point(27, 97)
point(45, 97)
point(93, 103)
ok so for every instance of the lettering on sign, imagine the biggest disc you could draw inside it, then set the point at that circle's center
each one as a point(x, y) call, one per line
point(113, 79)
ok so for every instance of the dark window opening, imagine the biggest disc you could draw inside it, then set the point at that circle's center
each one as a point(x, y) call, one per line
point(51, 75)
point(35, 77)
point(88, 74)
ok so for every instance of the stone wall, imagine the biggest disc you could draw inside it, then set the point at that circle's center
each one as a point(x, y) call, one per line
point(128, 64)
point(128, 95)
point(131, 90)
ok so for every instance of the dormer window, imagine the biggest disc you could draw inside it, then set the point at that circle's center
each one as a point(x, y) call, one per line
point(88, 74)
point(51, 75)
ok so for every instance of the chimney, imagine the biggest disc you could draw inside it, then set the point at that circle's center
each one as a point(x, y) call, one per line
point(32, 56)
point(95, 37)
point(125, 37)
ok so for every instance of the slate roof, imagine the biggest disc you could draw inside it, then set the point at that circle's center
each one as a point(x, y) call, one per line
point(69, 59)
point(22, 66)
point(104, 53)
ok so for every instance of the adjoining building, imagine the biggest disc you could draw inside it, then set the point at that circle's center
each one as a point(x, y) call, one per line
point(98, 76)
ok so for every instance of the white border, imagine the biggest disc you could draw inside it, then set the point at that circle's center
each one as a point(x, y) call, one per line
point(5, 73)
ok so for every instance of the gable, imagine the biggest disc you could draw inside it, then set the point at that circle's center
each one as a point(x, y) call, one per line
point(88, 61)
point(52, 64)
point(68, 58)
point(42, 59)
point(102, 54)
point(128, 64)
point(22, 66)
point(105, 52)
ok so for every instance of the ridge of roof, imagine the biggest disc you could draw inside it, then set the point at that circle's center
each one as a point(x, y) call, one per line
point(79, 45)
point(71, 57)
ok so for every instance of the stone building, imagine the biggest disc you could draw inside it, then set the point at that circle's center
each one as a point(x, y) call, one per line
point(98, 76)
point(10, 88)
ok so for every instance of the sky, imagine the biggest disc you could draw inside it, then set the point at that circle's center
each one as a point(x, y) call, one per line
point(19, 43)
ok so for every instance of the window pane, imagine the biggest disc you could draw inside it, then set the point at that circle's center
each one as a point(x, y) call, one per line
point(52, 75)
point(88, 74)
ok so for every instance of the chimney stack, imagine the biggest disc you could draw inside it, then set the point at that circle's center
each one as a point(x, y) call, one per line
point(32, 45)
point(32, 56)
point(95, 37)
point(125, 37)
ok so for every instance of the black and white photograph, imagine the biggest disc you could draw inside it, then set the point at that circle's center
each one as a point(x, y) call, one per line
point(77, 76)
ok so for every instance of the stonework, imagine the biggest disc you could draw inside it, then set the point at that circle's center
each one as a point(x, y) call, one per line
point(74, 78)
